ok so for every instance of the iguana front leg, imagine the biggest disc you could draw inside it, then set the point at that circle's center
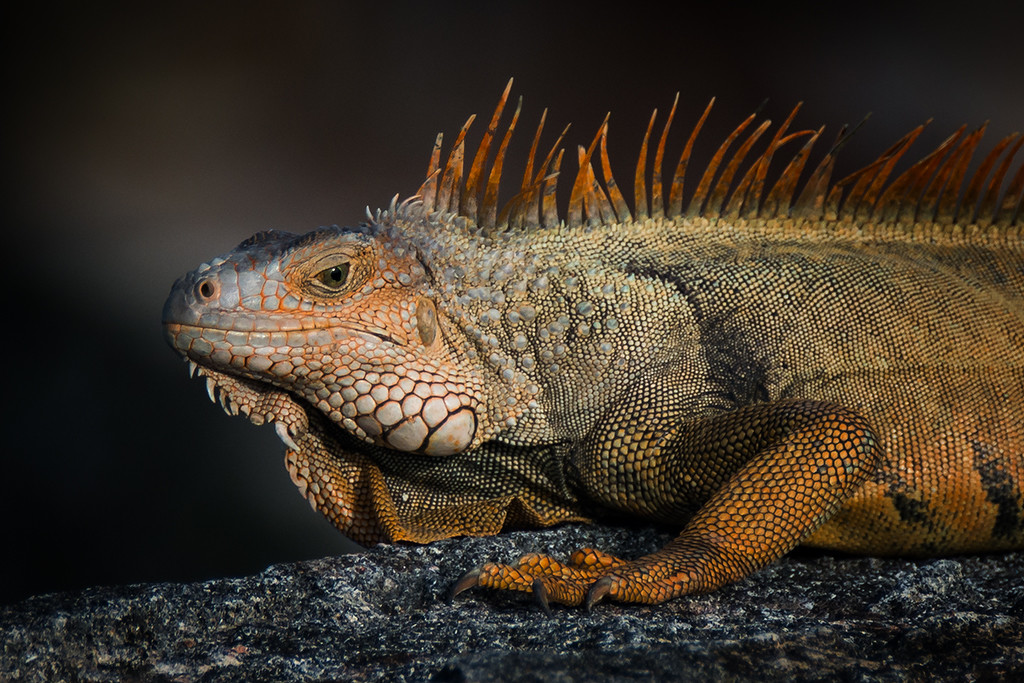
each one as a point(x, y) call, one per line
point(761, 479)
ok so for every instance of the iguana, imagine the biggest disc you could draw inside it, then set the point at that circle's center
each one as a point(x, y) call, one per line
point(840, 366)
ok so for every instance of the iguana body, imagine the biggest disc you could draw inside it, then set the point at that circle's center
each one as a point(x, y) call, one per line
point(843, 368)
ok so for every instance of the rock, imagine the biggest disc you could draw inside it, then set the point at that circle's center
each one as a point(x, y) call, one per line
point(383, 615)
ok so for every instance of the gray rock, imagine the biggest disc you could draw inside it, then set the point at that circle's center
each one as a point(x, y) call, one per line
point(383, 615)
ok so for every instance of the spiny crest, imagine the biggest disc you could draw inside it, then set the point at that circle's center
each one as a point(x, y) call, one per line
point(930, 191)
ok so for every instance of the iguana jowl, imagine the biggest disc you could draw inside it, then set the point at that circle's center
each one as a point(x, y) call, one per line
point(841, 366)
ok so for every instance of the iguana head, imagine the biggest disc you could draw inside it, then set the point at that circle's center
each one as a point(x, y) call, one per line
point(343, 321)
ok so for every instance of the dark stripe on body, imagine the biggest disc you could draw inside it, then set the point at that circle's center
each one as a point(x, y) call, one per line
point(737, 362)
point(1000, 489)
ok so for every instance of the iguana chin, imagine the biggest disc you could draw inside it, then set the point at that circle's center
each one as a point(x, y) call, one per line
point(840, 367)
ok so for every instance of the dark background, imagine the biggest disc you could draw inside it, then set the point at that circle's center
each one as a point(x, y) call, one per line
point(140, 141)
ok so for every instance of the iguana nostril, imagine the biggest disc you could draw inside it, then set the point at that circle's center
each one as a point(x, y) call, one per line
point(207, 289)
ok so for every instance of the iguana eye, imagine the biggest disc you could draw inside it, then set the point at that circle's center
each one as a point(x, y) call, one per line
point(334, 277)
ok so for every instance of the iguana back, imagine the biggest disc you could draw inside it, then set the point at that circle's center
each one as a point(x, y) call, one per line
point(840, 366)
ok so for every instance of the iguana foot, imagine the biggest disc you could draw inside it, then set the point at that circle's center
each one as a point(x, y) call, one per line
point(588, 578)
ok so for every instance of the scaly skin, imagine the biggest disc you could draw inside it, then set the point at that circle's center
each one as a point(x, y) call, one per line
point(814, 372)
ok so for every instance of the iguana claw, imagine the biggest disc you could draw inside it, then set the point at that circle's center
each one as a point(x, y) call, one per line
point(597, 592)
point(540, 592)
point(470, 579)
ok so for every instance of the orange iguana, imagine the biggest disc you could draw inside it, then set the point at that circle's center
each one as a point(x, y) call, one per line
point(840, 366)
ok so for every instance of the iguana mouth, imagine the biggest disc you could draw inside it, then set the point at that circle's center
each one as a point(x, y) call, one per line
point(173, 328)
point(260, 373)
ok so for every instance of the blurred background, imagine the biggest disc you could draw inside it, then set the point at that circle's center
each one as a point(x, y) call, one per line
point(141, 139)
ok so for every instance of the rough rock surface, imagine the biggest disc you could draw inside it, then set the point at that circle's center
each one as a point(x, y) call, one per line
point(383, 615)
